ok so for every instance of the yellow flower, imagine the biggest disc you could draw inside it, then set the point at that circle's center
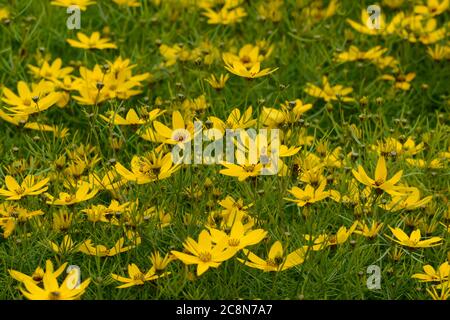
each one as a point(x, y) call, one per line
point(38, 274)
point(413, 241)
point(12, 215)
point(83, 4)
point(203, 253)
point(127, 3)
point(66, 247)
point(62, 220)
point(218, 83)
point(289, 113)
point(385, 28)
point(309, 195)
point(432, 275)
point(52, 290)
point(132, 118)
point(432, 7)
point(84, 192)
point(236, 120)
point(380, 182)
point(369, 232)
point(401, 81)
point(238, 68)
point(443, 295)
point(4, 14)
point(136, 277)
point(28, 187)
point(439, 52)
point(422, 164)
point(276, 261)
point(238, 238)
point(329, 93)
point(181, 131)
point(40, 98)
point(52, 72)
point(354, 54)
point(230, 13)
point(325, 240)
point(242, 171)
point(160, 263)
point(92, 42)
point(102, 251)
point(408, 201)
point(148, 168)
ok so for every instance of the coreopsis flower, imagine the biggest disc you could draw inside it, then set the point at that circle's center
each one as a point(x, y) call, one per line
point(309, 195)
point(366, 26)
point(58, 132)
point(418, 28)
point(236, 120)
point(410, 200)
point(423, 164)
point(53, 72)
point(163, 218)
point(289, 113)
point(62, 220)
point(67, 246)
point(181, 131)
point(238, 238)
point(94, 41)
point(82, 4)
point(368, 231)
point(391, 146)
point(218, 83)
point(84, 191)
point(277, 260)
point(160, 263)
point(413, 240)
point(132, 118)
point(432, 275)
point(28, 187)
point(128, 3)
point(401, 81)
point(11, 215)
point(4, 14)
point(38, 274)
point(248, 55)
point(87, 247)
point(432, 7)
point(316, 11)
point(151, 167)
point(40, 98)
point(271, 10)
point(230, 13)
point(203, 253)
point(242, 171)
point(51, 290)
point(354, 54)
point(101, 213)
point(380, 181)
point(439, 52)
point(393, 4)
point(328, 92)
point(136, 277)
point(238, 68)
point(444, 293)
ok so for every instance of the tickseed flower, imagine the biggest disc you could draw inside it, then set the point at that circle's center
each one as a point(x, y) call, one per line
point(230, 13)
point(51, 290)
point(136, 277)
point(309, 195)
point(84, 191)
point(401, 81)
point(40, 98)
point(102, 251)
point(181, 131)
point(380, 182)
point(12, 215)
point(444, 293)
point(203, 253)
point(328, 92)
point(53, 72)
point(238, 238)
point(148, 168)
point(432, 8)
point(132, 118)
point(368, 231)
point(432, 275)
point(413, 241)
point(238, 68)
point(128, 3)
point(277, 260)
point(242, 171)
point(160, 263)
point(38, 274)
point(354, 54)
point(28, 187)
point(410, 200)
point(83, 4)
point(91, 42)
point(218, 83)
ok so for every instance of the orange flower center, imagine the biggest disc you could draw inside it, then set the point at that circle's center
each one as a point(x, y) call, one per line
point(205, 256)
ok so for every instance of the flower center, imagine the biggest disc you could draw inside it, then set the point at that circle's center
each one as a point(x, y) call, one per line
point(20, 191)
point(54, 295)
point(234, 242)
point(205, 256)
